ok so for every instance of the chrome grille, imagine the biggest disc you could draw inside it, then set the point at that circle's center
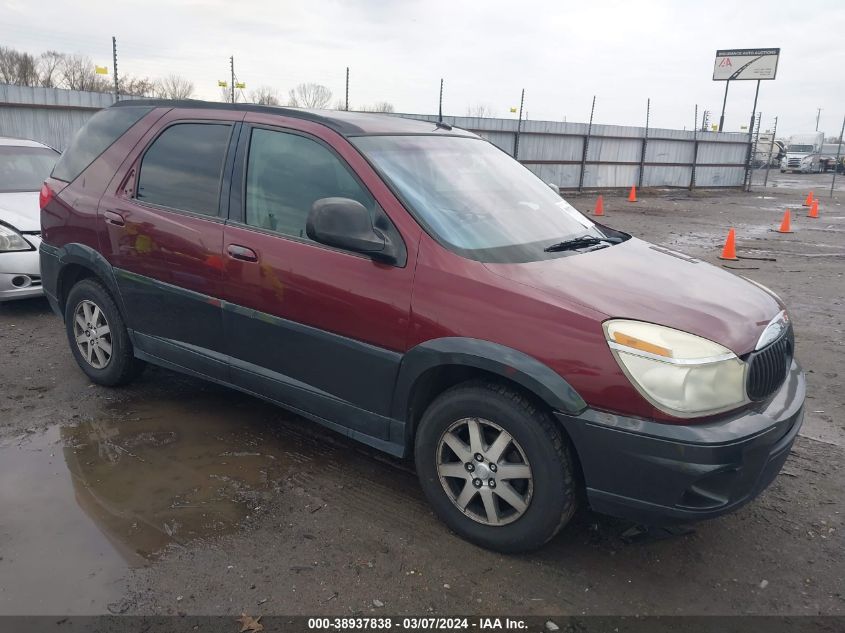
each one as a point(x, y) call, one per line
point(767, 368)
point(793, 162)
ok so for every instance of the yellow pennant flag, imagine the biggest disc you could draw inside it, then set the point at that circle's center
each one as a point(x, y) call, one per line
point(240, 84)
point(101, 70)
point(222, 84)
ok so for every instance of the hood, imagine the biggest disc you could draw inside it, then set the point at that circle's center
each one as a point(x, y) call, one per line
point(637, 280)
point(20, 210)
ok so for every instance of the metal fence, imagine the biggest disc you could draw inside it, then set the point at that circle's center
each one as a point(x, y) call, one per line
point(47, 115)
point(616, 155)
point(566, 154)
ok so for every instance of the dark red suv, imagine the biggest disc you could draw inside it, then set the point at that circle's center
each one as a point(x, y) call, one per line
point(411, 286)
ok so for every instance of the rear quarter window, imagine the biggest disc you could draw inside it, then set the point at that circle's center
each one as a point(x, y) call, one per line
point(183, 166)
point(95, 137)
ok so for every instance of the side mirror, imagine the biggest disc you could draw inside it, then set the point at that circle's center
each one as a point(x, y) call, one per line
point(346, 223)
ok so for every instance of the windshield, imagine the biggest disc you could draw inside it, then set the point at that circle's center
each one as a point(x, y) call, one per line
point(474, 198)
point(800, 149)
point(24, 168)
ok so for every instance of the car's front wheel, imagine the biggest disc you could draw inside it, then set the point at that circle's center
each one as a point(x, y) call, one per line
point(495, 468)
point(98, 337)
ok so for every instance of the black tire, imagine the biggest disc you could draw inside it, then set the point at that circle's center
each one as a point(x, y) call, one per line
point(122, 366)
point(546, 449)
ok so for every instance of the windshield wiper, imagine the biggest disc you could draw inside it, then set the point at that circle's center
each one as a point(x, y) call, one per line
point(580, 242)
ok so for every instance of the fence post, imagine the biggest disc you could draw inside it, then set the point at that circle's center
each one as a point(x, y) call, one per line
point(838, 153)
point(586, 146)
point(694, 151)
point(753, 152)
point(645, 144)
point(518, 127)
point(771, 150)
point(746, 180)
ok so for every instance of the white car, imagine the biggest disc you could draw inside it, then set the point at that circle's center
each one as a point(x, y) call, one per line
point(24, 165)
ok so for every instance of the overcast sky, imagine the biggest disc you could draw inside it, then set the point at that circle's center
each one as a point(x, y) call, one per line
point(561, 52)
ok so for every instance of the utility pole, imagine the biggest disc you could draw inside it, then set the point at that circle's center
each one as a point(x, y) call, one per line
point(440, 107)
point(114, 61)
point(347, 88)
point(232, 69)
point(818, 115)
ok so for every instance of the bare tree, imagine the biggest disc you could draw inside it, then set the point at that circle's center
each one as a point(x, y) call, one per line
point(137, 86)
point(77, 72)
point(309, 95)
point(480, 110)
point(17, 68)
point(49, 63)
point(264, 96)
point(379, 106)
point(174, 87)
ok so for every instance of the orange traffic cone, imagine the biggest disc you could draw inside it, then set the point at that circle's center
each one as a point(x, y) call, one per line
point(809, 199)
point(600, 206)
point(814, 210)
point(729, 250)
point(785, 226)
point(632, 196)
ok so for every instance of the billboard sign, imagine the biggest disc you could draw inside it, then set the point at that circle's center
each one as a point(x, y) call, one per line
point(746, 63)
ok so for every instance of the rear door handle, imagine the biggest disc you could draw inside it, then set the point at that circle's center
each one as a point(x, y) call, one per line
point(242, 253)
point(112, 217)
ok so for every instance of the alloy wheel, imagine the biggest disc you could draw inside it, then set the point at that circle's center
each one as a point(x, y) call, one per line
point(484, 471)
point(92, 333)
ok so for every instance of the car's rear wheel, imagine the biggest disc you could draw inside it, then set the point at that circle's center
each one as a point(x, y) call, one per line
point(495, 468)
point(98, 337)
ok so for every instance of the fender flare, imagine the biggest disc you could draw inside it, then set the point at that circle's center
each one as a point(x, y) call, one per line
point(503, 361)
point(81, 255)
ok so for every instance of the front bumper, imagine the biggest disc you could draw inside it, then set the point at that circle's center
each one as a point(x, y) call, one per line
point(660, 474)
point(20, 273)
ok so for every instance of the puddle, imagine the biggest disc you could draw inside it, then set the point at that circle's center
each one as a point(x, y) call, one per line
point(150, 481)
point(80, 505)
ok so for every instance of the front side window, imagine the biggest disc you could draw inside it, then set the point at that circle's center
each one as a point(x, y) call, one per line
point(475, 199)
point(182, 168)
point(24, 168)
point(287, 173)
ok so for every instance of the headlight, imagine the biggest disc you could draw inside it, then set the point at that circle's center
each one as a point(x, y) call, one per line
point(679, 373)
point(11, 240)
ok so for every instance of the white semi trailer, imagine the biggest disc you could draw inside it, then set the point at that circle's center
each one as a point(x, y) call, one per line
point(803, 153)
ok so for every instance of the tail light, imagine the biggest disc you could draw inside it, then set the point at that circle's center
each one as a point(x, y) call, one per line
point(45, 196)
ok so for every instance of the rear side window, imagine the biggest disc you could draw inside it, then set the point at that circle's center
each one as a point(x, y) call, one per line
point(183, 166)
point(286, 174)
point(95, 137)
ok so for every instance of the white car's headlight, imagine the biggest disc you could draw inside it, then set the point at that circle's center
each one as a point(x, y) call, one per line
point(11, 240)
point(679, 373)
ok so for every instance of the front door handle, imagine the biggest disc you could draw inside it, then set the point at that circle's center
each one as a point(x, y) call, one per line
point(241, 253)
point(113, 217)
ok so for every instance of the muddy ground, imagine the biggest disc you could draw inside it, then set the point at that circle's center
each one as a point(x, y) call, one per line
point(173, 495)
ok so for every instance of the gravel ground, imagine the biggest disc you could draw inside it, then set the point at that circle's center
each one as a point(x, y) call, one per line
point(177, 496)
